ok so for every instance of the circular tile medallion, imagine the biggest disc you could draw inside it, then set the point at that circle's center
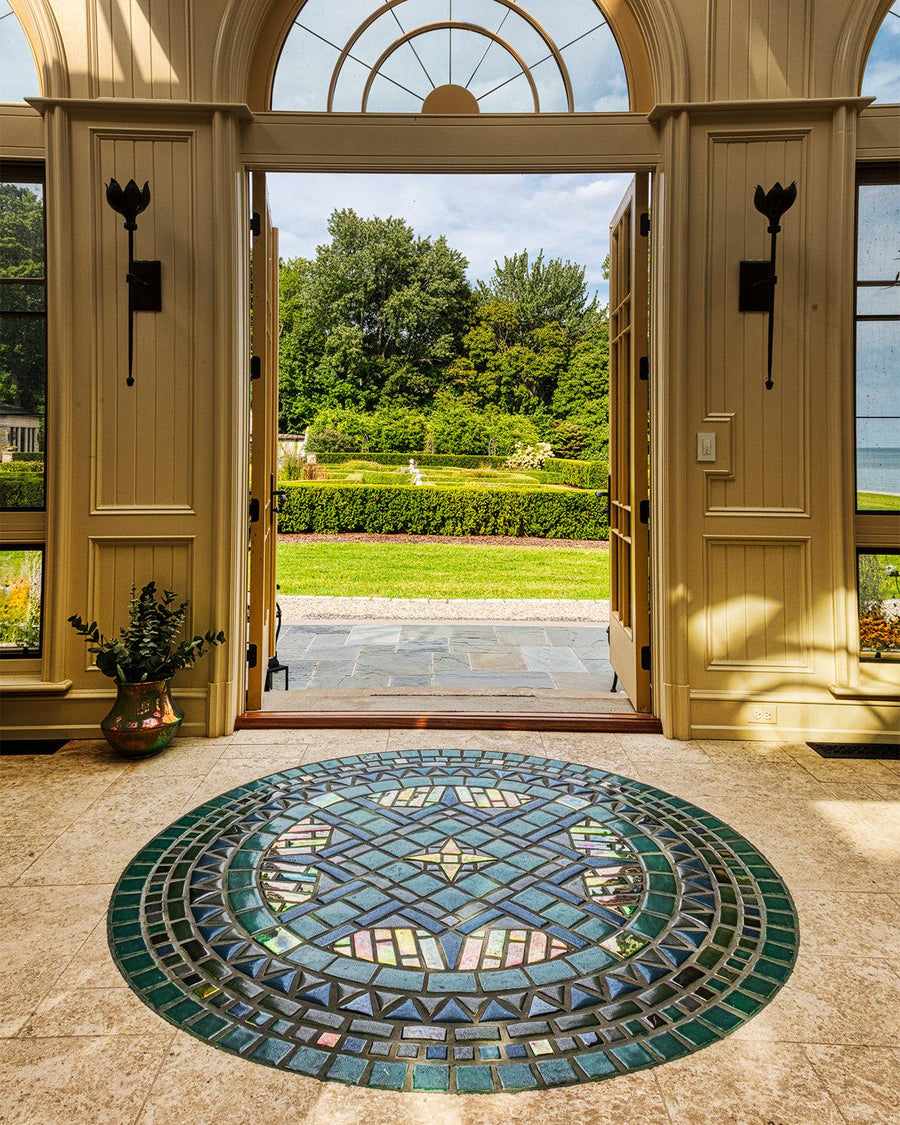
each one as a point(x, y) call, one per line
point(462, 921)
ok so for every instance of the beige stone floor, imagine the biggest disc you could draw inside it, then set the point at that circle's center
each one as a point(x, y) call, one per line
point(77, 1046)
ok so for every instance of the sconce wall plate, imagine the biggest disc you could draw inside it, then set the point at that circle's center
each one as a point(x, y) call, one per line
point(147, 287)
point(756, 291)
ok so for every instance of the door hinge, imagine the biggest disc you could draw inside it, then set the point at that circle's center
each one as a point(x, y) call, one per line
point(644, 226)
point(644, 511)
point(254, 510)
point(645, 657)
point(255, 367)
point(644, 367)
point(255, 224)
point(251, 656)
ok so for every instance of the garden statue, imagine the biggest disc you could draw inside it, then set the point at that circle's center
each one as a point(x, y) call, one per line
point(415, 473)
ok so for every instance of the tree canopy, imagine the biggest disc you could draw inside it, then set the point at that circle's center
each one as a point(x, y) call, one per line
point(22, 368)
point(382, 319)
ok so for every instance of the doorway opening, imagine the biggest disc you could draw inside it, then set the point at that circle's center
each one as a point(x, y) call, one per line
point(449, 453)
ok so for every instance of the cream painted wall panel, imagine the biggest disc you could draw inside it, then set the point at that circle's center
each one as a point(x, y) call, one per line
point(140, 48)
point(758, 604)
point(143, 433)
point(116, 563)
point(758, 49)
point(767, 443)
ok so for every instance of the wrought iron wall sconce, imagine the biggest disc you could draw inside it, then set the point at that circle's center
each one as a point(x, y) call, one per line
point(144, 277)
point(758, 279)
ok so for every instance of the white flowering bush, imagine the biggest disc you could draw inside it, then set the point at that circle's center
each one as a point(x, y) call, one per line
point(529, 456)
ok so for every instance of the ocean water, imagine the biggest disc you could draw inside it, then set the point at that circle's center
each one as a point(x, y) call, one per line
point(878, 470)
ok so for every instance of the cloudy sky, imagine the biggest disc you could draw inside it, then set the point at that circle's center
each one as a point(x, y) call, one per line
point(485, 217)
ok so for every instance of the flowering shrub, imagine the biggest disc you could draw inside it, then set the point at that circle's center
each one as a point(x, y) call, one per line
point(528, 456)
point(879, 632)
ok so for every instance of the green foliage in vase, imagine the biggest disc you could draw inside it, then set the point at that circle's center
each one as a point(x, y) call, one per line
point(146, 648)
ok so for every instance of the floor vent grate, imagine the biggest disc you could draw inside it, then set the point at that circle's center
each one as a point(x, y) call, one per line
point(881, 750)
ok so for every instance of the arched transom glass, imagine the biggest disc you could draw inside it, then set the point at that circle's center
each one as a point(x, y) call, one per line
point(882, 77)
point(450, 56)
point(18, 77)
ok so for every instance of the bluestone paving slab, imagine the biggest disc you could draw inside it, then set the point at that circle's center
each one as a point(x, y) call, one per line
point(555, 660)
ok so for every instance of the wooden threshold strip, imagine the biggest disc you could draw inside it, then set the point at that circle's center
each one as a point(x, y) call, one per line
point(448, 720)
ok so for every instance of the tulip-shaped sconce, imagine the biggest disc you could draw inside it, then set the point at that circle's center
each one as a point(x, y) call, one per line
point(144, 278)
point(758, 279)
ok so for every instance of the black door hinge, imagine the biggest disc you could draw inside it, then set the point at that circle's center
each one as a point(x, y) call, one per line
point(255, 367)
point(644, 511)
point(644, 226)
point(254, 510)
point(645, 657)
point(255, 224)
point(251, 656)
point(644, 367)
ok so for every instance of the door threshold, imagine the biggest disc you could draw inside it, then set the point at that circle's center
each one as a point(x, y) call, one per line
point(599, 722)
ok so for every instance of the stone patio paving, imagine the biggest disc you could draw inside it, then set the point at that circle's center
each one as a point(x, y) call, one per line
point(433, 654)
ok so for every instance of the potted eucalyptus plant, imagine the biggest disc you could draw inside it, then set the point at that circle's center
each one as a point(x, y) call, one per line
point(144, 718)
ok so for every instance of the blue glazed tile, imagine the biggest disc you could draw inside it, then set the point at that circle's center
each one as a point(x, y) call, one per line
point(474, 1080)
point(388, 1075)
point(516, 1076)
point(431, 1077)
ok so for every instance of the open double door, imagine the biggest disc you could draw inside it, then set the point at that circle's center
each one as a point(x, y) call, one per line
point(629, 612)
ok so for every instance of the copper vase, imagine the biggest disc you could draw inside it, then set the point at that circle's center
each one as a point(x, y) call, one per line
point(144, 719)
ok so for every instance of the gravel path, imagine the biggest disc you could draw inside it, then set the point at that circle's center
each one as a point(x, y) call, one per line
point(314, 608)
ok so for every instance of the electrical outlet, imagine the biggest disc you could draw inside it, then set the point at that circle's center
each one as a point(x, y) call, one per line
point(764, 715)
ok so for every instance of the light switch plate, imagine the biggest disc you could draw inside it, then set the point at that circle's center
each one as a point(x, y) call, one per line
point(706, 447)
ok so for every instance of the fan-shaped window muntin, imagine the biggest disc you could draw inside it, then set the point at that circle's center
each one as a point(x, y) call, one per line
point(450, 56)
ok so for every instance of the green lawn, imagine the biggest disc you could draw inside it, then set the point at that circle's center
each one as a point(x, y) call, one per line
point(877, 502)
point(441, 570)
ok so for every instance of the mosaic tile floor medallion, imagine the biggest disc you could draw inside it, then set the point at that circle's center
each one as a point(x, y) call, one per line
point(460, 921)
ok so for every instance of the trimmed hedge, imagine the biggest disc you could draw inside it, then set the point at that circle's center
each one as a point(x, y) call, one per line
point(396, 509)
point(578, 474)
point(35, 455)
point(423, 460)
point(21, 490)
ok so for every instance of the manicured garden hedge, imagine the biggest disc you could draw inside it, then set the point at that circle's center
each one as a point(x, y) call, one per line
point(21, 489)
point(423, 460)
point(578, 474)
point(319, 507)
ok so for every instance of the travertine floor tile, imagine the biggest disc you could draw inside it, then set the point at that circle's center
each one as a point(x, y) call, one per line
point(84, 1081)
point(203, 1086)
point(864, 1082)
point(739, 1083)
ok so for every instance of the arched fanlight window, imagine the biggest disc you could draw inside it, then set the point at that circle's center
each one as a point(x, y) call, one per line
point(881, 79)
point(450, 56)
point(18, 74)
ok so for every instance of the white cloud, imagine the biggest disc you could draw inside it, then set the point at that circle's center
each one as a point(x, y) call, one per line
point(483, 216)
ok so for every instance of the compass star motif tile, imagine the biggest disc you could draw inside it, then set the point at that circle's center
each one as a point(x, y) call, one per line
point(460, 921)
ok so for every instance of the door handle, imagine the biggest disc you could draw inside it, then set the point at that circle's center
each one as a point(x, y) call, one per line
point(279, 497)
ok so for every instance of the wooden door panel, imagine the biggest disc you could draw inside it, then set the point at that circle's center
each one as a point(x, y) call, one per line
point(264, 442)
point(629, 610)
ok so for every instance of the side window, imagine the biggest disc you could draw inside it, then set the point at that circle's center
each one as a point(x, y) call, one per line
point(23, 338)
point(877, 325)
point(23, 392)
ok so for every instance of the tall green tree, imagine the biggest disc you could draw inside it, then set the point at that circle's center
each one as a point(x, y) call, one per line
point(22, 366)
point(542, 292)
point(374, 317)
